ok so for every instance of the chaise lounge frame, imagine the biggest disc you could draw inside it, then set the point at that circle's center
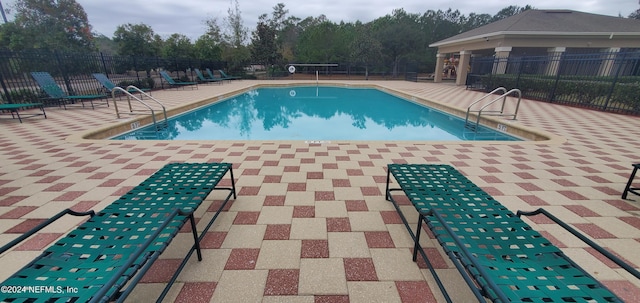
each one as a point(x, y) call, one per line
point(14, 109)
point(48, 84)
point(173, 83)
point(499, 256)
point(106, 256)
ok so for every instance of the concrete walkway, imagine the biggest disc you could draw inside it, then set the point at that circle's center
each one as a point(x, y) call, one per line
point(310, 223)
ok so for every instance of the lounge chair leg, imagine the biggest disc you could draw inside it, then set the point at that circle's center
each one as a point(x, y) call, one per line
point(17, 114)
point(233, 182)
point(416, 245)
point(628, 188)
point(387, 195)
point(195, 236)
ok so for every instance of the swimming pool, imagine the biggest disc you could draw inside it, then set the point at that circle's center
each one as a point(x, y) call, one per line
point(315, 113)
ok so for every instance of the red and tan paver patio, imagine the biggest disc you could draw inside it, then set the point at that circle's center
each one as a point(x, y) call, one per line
point(311, 223)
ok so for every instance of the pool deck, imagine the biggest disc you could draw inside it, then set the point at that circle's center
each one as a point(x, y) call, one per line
point(311, 223)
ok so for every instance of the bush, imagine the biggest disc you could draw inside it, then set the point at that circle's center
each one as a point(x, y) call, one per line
point(581, 91)
point(627, 94)
point(146, 83)
point(21, 96)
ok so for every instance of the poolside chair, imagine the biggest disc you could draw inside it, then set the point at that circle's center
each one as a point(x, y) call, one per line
point(104, 258)
point(175, 83)
point(499, 256)
point(14, 109)
point(212, 76)
point(109, 86)
point(202, 78)
point(227, 77)
point(629, 188)
point(55, 92)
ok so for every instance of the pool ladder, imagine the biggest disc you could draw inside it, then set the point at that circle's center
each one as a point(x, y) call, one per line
point(484, 110)
point(127, 92)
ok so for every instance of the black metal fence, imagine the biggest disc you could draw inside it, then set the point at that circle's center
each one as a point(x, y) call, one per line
point(607, 81)
point(379, 70)
point(73, 71)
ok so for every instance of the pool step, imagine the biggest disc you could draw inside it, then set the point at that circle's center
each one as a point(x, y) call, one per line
point(162, 125)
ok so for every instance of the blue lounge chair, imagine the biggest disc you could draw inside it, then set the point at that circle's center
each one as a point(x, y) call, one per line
point(227, 77)
point(202, 78)
point(55, 92)
point(175, 83)
point(15, 108)
point(109, 86)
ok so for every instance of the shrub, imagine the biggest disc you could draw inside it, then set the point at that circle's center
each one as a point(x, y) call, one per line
point(142, 83)
point(627, 94)
point(21, 96)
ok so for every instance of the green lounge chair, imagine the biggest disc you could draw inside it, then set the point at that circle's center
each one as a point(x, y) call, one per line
point(499, 255)
point(227, 77)
point(175, 83)
point(104, 258)
point(55, 92)
point(202, 78)
point(109, 86)
point(212, 76)
point(15, 108)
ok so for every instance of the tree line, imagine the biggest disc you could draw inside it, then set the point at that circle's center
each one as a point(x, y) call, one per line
point(278, 38)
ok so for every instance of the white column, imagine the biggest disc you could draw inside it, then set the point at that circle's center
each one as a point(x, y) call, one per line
point(555, 54)
point(606, 67)
point(502, 55)
point(463, 67)
point(437, 74)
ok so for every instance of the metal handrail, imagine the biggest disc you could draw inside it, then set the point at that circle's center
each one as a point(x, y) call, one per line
point(130, 96)
point(501, 111)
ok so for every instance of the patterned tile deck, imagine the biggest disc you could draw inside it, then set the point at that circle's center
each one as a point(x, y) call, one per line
point(311, 223)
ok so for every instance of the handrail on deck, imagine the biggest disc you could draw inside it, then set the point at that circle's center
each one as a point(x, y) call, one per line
point(502, 97)
point(132, 96)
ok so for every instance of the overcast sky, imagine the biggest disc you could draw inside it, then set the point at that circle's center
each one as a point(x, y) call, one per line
point(187, 16)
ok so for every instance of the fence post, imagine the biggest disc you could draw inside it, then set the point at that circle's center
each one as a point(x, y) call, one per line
point(63, 71)
point(7, 95)
point(520, 68)
point(615, 80)
point(104, 64)
point(552, 93)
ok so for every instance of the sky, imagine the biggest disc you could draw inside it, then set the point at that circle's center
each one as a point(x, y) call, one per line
point(187, 17)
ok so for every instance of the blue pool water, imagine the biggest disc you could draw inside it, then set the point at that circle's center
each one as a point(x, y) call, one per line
point(315, 114)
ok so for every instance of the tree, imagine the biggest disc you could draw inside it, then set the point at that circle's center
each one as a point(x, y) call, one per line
point(474, 21)
point(264, 49)
point(207, 48)
point(316, 42)
point(288, 38)
point(365, 49)
point(401, 37)
point(236, 53)
point(51, 25)
point(236, 33)
point(635, 15)
point(104, 44)
point(178, 46)
point(266, 42)
point(137, 40)
point(510, 11)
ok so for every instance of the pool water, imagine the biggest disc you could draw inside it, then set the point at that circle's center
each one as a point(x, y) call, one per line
point(315, 113)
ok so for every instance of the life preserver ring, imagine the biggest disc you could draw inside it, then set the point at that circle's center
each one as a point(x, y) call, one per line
point(292, 69)
point(292, 93)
